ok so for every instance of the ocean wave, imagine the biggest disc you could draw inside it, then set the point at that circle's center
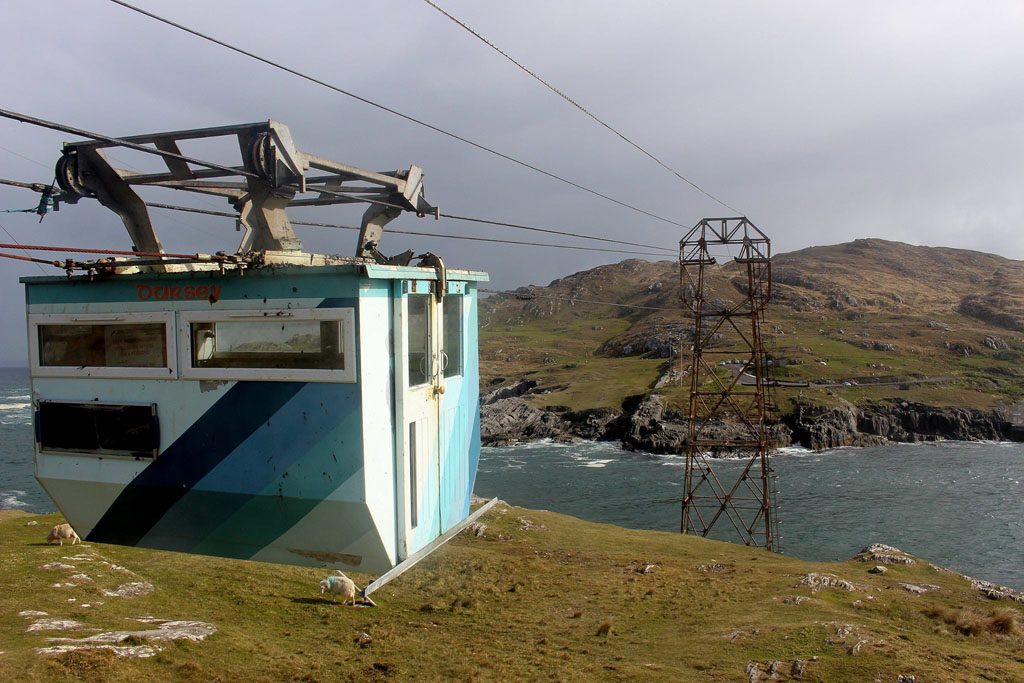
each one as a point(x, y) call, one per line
point(9, 499)
point(11, 407)
point(598, 463)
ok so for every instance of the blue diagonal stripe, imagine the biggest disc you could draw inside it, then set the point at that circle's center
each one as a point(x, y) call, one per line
point(214, 436)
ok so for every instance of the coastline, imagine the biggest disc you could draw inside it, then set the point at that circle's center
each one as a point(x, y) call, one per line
point(646, 424)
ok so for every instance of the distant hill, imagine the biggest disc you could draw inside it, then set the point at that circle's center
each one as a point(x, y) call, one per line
point(863, 321)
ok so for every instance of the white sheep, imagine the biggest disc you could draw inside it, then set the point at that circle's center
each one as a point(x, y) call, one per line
point(63, 532)
point(340, 585)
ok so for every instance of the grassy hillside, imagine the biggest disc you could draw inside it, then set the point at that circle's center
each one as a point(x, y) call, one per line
point(866, 320)
point(539, 596)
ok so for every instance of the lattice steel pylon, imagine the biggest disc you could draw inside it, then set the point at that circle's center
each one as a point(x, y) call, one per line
point(729, 401)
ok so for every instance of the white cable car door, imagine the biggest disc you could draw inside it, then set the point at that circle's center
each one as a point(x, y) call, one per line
point(453, 423)
point(417, 367)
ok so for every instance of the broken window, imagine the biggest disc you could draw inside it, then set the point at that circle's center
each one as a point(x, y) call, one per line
point(98, 428)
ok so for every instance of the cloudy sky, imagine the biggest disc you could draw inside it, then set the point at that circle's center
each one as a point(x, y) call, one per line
point(822, 122)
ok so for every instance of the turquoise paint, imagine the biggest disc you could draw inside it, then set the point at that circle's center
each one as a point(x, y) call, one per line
point(333, 462)
point(259, 466)
point(255, 285)
point(312, 449)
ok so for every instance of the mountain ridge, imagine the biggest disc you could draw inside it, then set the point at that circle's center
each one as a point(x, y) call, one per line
point(860, 322)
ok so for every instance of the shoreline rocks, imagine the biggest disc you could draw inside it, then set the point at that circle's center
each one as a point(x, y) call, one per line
point(509, 415)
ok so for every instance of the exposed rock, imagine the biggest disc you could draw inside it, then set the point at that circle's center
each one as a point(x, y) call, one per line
point(513, 390)
point(996, 592)
point(595, 423)
point(823, 427)
point(818, 581)
point(165, 630)
point(960, 348)
point(649, 431)
point(878, 569)
point(919, 588)
point(129, 590)
point(511, 420)
point(996, 344)
point(884, 554)
point(54, 625)
point(992, 309)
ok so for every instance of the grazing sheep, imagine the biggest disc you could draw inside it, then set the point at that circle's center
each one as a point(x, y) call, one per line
point(63, 532)
point(339, 585)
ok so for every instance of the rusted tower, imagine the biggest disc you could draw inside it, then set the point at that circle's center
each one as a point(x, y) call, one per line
point(729, 391)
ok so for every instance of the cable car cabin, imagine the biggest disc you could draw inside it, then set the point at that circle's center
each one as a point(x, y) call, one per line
point(271, 405)
point(305, 415)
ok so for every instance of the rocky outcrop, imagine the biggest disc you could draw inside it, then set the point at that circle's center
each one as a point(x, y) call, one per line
point(646, 424)
point(912, 422)
point(507, 416)
point(656, 429)
point(514, 420)
point(822, 427)
point(994, 309)
point(650, 431)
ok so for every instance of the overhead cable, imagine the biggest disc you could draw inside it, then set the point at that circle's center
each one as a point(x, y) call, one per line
point(662, 251)
point(27, 257)
point(417, 233)
point(518, 226)
point(395, 112)
point(531, 296)
point(579, 106)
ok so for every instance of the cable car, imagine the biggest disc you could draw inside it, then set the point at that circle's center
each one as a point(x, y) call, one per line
point(272, 404)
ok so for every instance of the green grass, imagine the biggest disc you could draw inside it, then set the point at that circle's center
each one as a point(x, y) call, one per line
point(562, 602)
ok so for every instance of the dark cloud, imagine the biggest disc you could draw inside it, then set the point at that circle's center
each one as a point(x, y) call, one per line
point(823, 122)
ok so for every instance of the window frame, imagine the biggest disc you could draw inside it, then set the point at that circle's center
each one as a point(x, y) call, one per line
point(346, 316)
point(431, 329)
point(461, 317)
point(167, 371)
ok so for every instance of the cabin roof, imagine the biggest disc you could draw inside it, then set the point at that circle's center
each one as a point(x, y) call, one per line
point(368, 270)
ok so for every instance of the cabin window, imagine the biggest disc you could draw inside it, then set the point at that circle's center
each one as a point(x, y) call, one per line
point(98, 428)
point(130, 345)
point(418, 339)
point(452, 340)
point(310, 345)
point(285, 344)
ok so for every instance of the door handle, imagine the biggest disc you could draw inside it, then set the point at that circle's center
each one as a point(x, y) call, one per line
point(444, 361)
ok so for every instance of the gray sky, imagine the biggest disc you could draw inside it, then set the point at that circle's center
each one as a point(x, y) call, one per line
point(823, 122)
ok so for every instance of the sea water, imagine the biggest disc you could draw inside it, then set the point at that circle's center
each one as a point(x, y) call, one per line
point(18, 487)
point(960, 505)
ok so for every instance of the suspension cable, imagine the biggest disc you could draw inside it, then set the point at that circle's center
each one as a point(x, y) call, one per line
point(661, 251)
point(395, 112)
point(576, 104)
point(341, 226)
point(532, 295)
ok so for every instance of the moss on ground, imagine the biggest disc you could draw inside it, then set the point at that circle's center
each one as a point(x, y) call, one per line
point(558, 599)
